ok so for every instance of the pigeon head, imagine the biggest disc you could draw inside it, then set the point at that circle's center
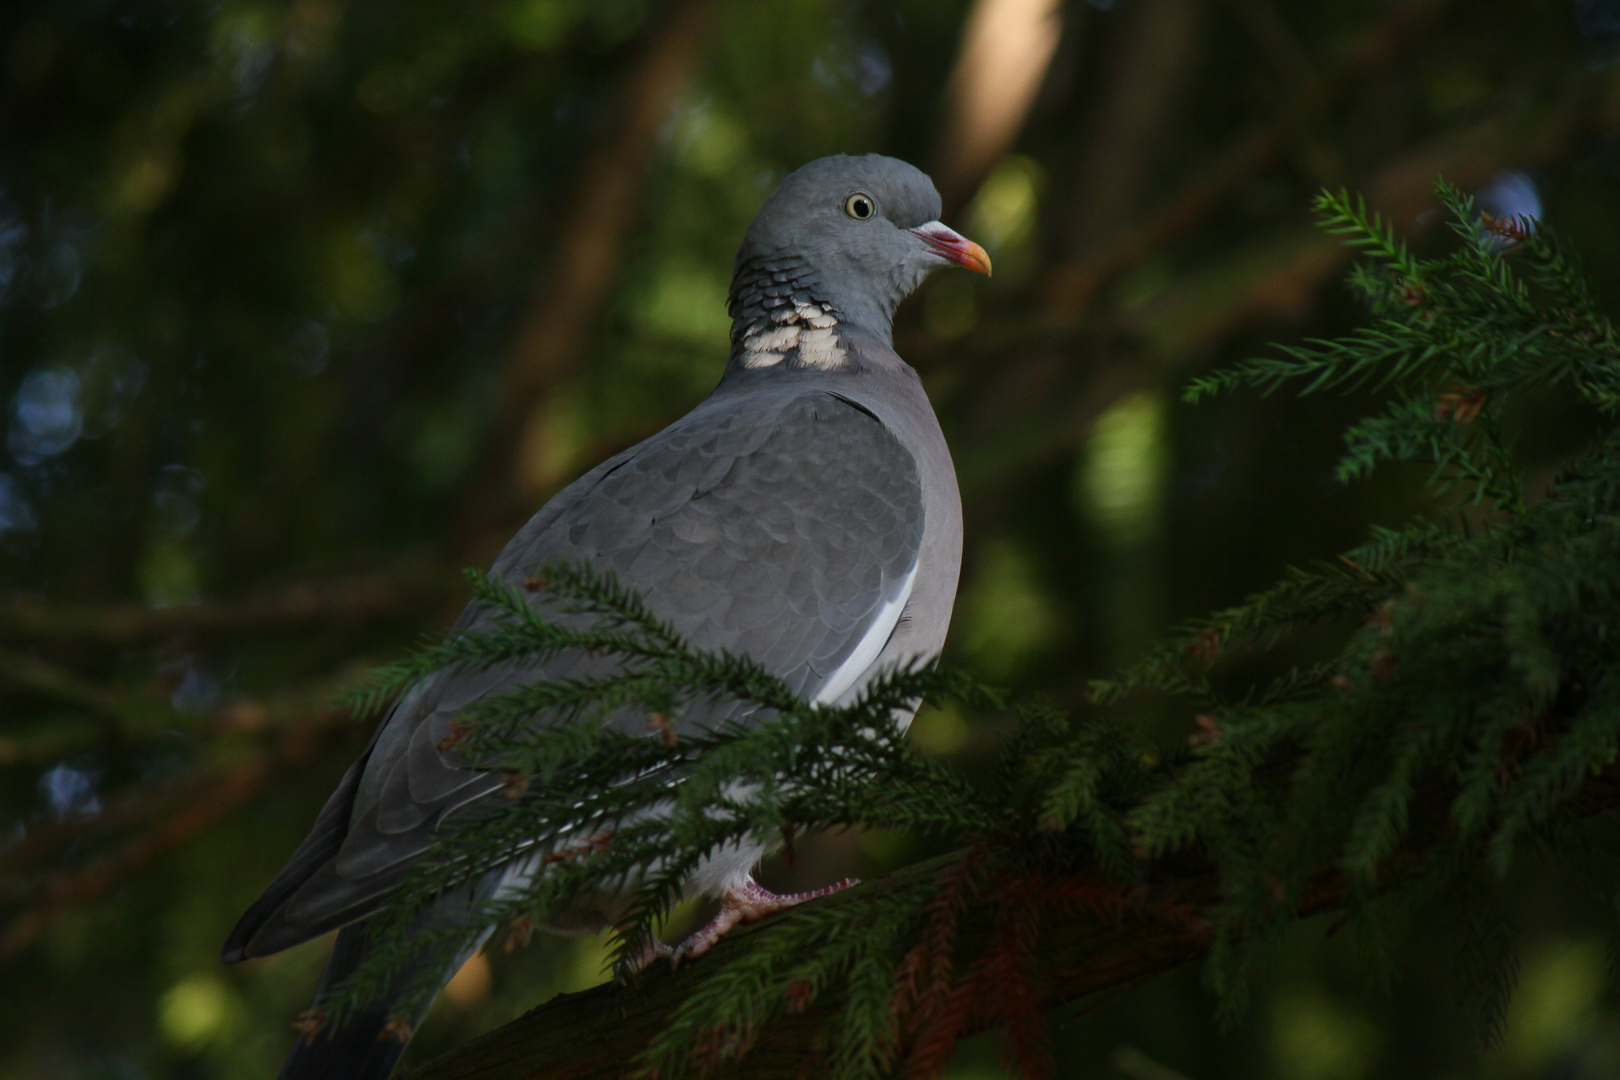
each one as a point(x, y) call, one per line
point(833, 251)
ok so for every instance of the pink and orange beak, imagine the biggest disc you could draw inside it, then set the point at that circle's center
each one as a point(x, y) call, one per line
point(954, 246)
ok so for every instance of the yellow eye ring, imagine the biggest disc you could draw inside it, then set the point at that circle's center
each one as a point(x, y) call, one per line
point(860, 206)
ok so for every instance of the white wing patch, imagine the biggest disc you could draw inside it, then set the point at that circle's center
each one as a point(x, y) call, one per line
point(876, 636)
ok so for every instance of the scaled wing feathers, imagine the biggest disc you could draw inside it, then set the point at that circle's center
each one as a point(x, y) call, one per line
point(785, 524)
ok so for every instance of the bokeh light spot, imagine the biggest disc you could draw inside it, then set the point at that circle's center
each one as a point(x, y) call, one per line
point(541, 24)
point(472, 984)
point(70, 792)
point(708, 141)
point(1008, 613)
point(1120, 482)
point(1318, 1039)
point(167, 575)
point(1002, 214)
point(688, 302)
point(939, 732)
point(47, 417)
point(193, 1011)
point(1553, 1004)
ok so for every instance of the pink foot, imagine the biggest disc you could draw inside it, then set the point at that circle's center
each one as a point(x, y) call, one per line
point(748, 902)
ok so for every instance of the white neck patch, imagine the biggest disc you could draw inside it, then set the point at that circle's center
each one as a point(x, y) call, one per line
point(803, 330)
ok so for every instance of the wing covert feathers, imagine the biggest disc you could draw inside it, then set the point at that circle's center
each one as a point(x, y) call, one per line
point(784, 526)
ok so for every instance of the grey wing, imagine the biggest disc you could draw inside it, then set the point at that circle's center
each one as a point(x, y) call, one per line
point(785, 527)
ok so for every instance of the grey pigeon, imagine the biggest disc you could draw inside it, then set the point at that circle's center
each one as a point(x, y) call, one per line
point(806, 513)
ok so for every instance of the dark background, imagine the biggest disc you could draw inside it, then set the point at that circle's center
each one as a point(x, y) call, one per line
point(306, 306)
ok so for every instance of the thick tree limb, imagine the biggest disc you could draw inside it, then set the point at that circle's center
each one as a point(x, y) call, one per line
point(597, 1034)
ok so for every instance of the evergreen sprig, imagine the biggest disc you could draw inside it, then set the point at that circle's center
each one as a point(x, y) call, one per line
point(1477, 687)
point(619, 780)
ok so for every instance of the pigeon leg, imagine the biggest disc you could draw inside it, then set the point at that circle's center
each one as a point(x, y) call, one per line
point(746, 903)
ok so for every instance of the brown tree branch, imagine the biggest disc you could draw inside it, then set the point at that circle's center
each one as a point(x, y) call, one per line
point(349, 600)
point(68, 889)
point(176, 813)
point(36, 676)
point(287, 727)
point(1076, 286)
point(598, 1034)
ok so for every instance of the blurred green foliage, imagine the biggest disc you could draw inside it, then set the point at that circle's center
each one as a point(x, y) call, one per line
point(265, 269)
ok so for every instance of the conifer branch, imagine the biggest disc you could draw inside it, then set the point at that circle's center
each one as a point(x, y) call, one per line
point(1095, 941)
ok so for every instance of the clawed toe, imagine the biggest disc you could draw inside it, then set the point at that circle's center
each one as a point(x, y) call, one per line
point(746, 903)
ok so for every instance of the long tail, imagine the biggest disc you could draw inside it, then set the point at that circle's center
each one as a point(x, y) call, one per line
point(367, 1046)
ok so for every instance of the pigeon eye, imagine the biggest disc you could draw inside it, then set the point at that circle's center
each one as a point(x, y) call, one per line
point(860, 206)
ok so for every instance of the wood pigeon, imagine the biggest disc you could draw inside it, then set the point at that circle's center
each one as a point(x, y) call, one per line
point(806, 513)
